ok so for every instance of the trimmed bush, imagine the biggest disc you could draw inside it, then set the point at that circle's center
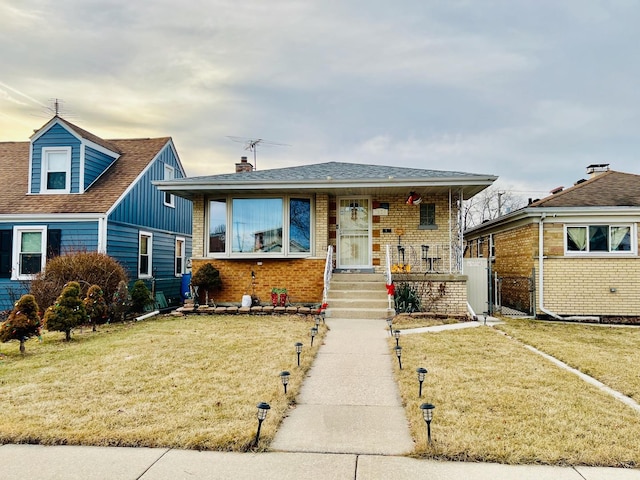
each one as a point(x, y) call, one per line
point(86, 268)
point(140, 296)
point(206, 278)
point(120, 303)
point(67, 313)
point(23, 322)
point(96, 306)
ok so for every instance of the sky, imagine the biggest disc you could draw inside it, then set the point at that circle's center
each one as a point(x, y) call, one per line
point(532, 91)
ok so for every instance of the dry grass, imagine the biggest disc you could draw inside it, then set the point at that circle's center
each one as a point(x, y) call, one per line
point(610, 354)
point(190, 382)
point(497, 401)
point(402, 322)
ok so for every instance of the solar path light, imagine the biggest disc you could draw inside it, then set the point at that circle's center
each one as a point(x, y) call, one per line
point(396, 333)
point(390, 323)
point(427, 414)
point(284, 376)
point(298, 351)
point(318, 320)
point(399, 354)
point(421, 373)
point(314, 332)
point(263, 408)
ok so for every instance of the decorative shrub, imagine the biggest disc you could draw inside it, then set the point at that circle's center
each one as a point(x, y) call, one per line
point(140, 296)
point(120, 302)
point(86, 268)
point(68, 312)
point(23, 322)
point(207, 278)
point(407, 298)
point(96, 306)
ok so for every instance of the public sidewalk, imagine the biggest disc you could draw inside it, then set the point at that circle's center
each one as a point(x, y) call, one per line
point(348, 424)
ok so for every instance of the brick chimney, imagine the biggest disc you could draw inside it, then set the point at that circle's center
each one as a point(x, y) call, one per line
point(596, 169)
point(243, 166)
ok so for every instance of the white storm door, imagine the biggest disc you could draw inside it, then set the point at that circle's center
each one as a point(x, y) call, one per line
point(354, 233)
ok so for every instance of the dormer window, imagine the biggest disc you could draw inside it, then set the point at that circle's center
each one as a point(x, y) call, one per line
point(169, 174)
point(56, 170)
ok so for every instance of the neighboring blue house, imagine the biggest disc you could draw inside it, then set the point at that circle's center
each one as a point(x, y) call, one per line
point(68, 190)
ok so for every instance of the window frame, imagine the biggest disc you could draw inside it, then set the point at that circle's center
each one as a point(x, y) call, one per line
point(45, 170)
point(427, 226)
point(169, 173)
point(600, 253)
point(286, 227)
point(17, 250)
point(149, 254)
point(180, 254)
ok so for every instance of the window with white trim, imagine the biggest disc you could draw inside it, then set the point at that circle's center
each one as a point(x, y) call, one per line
point(145, 258)
point(29, 251)
point(600, 239)
point(180, 244)
point(272, 226)
point(56, 170)
point(169, 174)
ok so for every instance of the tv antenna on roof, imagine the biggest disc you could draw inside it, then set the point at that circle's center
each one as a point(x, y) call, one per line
point(251, 144)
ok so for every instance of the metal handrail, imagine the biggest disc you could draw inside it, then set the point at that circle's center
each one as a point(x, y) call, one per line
point(328, 269)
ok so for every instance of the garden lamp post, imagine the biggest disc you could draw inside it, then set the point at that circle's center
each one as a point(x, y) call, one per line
point(421, 373)
point(396, 333)
point(263, 408)
point(298, 351)
point(284, 376)
point(399, 354)
point(314, 332)
point(484, 314)
point(427, 414)
point(390, 323)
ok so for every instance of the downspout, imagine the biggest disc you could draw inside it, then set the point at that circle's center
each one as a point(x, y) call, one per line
point(541, 269)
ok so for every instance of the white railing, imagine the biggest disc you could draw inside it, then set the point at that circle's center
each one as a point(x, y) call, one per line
point(389, 276)
point(328, 269)
point(424, 258)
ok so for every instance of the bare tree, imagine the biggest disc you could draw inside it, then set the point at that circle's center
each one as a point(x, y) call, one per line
point(490, 204)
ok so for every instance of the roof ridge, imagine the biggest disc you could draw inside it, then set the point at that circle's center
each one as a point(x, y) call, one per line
point(572, 188)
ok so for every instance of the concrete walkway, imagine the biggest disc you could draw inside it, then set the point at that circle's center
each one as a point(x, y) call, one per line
point(349, 424)
point(350, 402)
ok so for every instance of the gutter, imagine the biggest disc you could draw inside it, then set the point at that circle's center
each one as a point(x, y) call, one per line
point(541, 269)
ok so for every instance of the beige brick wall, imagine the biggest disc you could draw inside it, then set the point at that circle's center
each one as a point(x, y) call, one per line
point(515, 251)
point(581, 286)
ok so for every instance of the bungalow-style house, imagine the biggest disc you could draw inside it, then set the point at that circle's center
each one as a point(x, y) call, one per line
point(286, 227)
point(68, 190)
point(588, 236)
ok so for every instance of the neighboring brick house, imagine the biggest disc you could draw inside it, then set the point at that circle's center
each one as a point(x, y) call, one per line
point(279, 223)
point(588, 234)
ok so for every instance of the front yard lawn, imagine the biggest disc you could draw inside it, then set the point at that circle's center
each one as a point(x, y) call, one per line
point(190, 382)
point(610, 354)
point(497, 401)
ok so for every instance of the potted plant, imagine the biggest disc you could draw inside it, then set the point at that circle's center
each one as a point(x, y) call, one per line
point(278, 296)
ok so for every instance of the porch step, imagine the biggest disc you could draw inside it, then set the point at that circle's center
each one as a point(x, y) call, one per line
point(358, 295)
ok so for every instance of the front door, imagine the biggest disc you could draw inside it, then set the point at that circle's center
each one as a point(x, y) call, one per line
point(354, 233)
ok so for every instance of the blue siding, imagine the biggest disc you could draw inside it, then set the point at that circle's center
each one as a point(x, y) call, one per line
point(56, 136)
point(76, 236)
point(95, 163)
point(144, 204)
point(122, 243)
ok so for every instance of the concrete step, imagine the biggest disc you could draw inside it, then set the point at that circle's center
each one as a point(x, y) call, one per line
point(358, 303)
point(355, 292)
point(367, 286)
point(365, 313)
point(358, 277)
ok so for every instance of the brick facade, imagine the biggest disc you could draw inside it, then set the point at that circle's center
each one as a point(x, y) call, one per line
point(605, 286)
point(303, 278)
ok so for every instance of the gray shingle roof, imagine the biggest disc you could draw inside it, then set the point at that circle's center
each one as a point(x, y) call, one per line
point(337, 171)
